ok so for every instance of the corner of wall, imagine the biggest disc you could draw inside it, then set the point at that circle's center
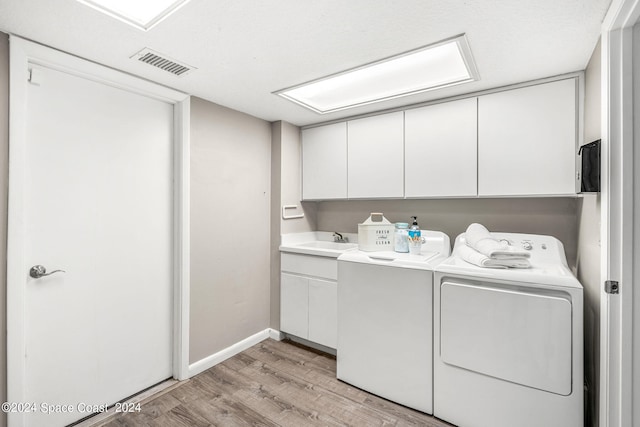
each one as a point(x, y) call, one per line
point(291, 182)
point(276, 202)
point(588, 244)
point(286, 189)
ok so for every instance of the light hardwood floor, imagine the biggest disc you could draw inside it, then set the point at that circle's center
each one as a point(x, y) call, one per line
point(271, 384)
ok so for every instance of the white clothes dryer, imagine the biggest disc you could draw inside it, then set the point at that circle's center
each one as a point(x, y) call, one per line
point(508, 343)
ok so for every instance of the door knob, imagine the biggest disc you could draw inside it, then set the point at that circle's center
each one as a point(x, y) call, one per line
point(38, 271)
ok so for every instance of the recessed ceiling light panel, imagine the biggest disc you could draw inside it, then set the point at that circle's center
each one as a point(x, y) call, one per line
point(142, 14)
point(431, 67)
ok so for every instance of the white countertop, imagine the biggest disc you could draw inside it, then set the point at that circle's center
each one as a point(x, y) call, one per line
point(319, 243)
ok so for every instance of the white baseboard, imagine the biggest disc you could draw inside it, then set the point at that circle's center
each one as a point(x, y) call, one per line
point(211, 361)
point(276, 335)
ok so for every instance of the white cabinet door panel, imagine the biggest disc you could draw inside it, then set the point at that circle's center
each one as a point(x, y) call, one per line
point(441, 150)
point(323, 312)
point(294, 305)
point(527, 140)
point(376, 156)
point(324, 162)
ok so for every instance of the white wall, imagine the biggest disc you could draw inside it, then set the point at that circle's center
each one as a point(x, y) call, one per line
point(230, 227)
point(588, 255)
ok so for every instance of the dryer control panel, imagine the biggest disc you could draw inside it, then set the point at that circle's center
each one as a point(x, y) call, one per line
point(543, 249)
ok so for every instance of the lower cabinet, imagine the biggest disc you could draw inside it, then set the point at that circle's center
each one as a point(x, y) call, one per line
point(309, 308)
point(323, 312)
point(294, 305)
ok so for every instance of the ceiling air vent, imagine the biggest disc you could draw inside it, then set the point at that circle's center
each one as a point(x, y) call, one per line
point(163, 62)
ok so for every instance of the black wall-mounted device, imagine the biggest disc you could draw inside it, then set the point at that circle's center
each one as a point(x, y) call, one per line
point(590, 175)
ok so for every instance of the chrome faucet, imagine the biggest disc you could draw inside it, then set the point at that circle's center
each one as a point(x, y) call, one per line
point(337, 237)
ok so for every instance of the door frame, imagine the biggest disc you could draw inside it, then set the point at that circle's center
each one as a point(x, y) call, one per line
point(23, 53)
point(620, 235)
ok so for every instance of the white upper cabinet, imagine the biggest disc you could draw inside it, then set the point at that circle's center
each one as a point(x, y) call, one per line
point(375, 156)
point(519, 142)
point(527, 140)
point(324, 160)
point(441, 157)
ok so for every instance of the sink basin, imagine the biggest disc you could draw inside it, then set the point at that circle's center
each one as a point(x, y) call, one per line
point(320, 244)
point(316, 243)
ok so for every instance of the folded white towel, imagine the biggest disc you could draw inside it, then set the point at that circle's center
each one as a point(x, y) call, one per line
point(479, 238)
point(474, 257)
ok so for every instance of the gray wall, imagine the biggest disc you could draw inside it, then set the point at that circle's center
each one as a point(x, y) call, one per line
point(286, 187)
point(276, 202)
point(291, 182)
point(588, 257)
point(552, 216)
point(4, 182)
point(230, 227)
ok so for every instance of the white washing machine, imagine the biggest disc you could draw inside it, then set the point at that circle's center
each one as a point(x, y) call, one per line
point(385, 321)
point(508, 343)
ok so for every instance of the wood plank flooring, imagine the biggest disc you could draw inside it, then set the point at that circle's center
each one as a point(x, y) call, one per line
point(270, 384)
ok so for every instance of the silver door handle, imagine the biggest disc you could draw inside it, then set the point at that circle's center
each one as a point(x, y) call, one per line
point(38, 271)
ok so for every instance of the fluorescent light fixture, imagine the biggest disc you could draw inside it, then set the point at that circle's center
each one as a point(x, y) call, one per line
point(142, 14)
point(439, 65)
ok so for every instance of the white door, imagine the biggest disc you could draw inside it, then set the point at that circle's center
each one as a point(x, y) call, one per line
point(635, 303)
point(620, 234)
point(97, 204)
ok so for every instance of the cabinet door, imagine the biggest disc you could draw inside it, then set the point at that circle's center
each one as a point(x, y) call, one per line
point(441, 150)
point(527, 140)
point(323, 312)
point(294, 305)
point(375, 156)
point(324, 162)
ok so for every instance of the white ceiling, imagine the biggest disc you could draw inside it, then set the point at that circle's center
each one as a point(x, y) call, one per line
point(246, 49)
